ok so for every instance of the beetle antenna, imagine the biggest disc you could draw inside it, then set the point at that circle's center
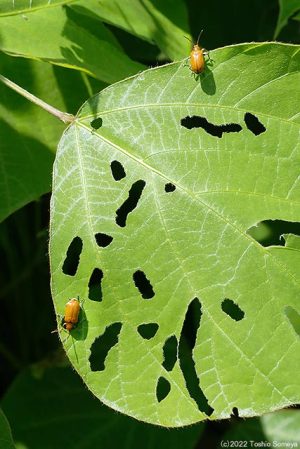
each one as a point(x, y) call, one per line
point(188, 39)
point(199, 36)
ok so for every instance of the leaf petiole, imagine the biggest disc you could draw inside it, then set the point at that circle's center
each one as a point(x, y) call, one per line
point(63, 116)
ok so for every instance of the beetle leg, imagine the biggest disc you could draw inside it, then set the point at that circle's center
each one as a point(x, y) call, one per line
point(185, 63)
point(206, 53)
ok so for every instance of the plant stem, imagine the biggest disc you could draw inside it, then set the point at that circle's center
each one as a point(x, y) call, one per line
point(63, 116)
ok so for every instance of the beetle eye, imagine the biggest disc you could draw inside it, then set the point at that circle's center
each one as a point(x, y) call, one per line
point(65, 325)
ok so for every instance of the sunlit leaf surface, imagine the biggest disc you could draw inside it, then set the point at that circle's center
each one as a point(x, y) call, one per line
point(156, 186)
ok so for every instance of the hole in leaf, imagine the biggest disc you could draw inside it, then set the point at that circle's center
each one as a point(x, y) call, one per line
point(185, 353)
point(162, 389)
point(117, 170)
point(143, 284)
point(214, 130)
point(232, 310)
point(95, 289)
point(269, 232)
point(253, 124)
point(71, 262)
point(102, 345)
point(148, 330)
point(103, 240)
point(293, 317)
point(131, 203)
point(170, 353)
point(169, 187)
point(96, 123)
point(235, 412)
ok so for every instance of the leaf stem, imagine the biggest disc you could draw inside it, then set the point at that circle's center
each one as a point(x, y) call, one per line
point(63, 116)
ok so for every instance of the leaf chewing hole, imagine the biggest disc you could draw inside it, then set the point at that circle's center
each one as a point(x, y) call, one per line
point(143, 284)
point(102, 345)
point(148, 331)
point(131, 203)
point(162, 389)
point(293, 317)
point(214, 130)
point(170, 353)
point(103, 240)
point(117, 170)
point(253, 124)
point(96, 123)
point(169, 187)
point(269, 232)
point(71, 262)
point(185, 353)
point(232, 309)
point(95, 288)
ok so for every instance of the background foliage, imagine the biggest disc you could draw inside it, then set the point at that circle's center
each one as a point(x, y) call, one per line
point(89, 45)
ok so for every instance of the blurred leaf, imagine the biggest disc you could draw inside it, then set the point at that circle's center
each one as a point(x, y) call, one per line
point(56, 407)
point(231, 21)
point(159, 179)
point(272, 232)
point(176, 13)
point(25, 295)
point(6, 441)
point(28, 134)
point(282, 426)
point(244, 430)
point(146, 20)
point(72, 41)
point(137, 49)
point(287, 9)
point(26, 169)
point(261, 232)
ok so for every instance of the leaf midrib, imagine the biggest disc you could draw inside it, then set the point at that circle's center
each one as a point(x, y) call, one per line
point(80, 118)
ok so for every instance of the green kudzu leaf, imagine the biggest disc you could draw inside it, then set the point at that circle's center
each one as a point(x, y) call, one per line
point(149, 21)
point(54, 405)
point(72, 41)
point(28, 134)
point(245, 430)
point(6, 441)
point(287, 9)
point(282, 426)
point(7, 7)
point(155, 186)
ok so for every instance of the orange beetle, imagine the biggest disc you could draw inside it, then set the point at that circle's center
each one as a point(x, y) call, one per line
point(197, 60)
point(72, 310)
